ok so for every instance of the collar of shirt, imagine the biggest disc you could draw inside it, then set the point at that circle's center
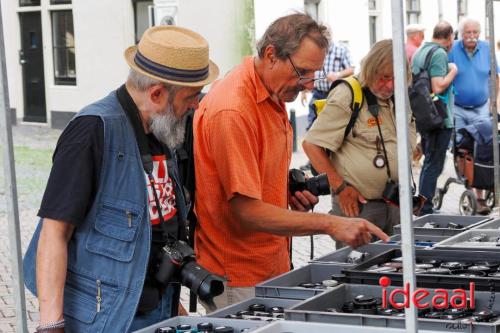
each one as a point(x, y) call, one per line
point(261, 92)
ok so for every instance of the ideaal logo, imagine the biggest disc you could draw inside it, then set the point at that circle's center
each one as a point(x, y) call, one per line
point(441, 298)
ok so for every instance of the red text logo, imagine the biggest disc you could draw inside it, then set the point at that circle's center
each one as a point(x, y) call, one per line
point(441, 299)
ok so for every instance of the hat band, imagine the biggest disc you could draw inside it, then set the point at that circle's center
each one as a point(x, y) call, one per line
point(169, 73)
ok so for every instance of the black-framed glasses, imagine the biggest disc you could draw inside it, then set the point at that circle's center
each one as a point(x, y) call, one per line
point(306, 80)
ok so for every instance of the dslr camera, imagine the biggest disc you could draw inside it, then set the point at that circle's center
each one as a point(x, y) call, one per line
point(177, 262)
point(391, 196)
point(317, 185)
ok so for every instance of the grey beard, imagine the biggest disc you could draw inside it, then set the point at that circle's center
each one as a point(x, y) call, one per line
point(168, 128)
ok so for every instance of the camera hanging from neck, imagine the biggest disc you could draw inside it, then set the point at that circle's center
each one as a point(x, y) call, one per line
point(373, 108)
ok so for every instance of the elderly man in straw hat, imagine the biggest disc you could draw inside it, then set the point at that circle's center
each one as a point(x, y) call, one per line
point(102, 222)
point(242, 151)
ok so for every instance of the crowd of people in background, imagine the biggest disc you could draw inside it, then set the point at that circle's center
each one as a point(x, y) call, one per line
point(90, 235)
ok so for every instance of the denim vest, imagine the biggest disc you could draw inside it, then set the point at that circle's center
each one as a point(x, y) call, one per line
point(108, 252)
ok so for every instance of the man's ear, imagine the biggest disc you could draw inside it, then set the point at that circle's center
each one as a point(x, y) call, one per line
point(158, 94)
point(270, 55)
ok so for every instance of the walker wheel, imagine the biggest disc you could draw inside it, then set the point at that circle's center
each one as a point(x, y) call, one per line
point(468, 203)
point(437, 201)
point(490, 199)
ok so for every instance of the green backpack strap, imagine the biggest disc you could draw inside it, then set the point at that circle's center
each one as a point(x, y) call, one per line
point(357, 99)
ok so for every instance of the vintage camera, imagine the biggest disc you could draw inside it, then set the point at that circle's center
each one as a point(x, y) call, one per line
point(317, 185)
point(177, 261)
point(391, 196)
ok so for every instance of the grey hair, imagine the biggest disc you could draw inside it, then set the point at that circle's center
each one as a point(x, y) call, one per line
point(287, 32)
point(467, 20)
point(142, 82)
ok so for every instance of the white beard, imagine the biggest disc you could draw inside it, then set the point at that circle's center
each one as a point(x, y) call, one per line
point(168, 128)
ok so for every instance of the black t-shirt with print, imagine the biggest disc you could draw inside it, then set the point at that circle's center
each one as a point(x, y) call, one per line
point(74, 178)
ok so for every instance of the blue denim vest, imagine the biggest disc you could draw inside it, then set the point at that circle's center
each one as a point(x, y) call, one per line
point(108, 253)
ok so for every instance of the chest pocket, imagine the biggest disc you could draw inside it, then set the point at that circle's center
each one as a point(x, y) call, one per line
point(115, 229)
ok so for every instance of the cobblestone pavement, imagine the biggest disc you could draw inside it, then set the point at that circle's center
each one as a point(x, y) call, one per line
point(32, 176)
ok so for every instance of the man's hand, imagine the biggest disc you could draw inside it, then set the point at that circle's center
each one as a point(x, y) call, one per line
point(303, 201)
point(348, 201)
point(356, 232)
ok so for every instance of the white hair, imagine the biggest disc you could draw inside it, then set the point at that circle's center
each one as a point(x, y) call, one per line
point(142, 82)
point(465, 21)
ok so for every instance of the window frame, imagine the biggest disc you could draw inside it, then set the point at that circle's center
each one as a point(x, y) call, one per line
point(62, 80)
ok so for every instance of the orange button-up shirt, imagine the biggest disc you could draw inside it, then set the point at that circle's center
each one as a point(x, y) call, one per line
point(242, 145)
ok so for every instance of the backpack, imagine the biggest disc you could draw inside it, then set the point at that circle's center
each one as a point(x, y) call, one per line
point(356, 103)
point(428, 110)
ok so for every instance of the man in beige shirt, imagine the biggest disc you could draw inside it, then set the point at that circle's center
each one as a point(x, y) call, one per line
point(356, 166)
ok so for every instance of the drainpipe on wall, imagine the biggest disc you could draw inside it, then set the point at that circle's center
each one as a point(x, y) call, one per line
point(311, 8)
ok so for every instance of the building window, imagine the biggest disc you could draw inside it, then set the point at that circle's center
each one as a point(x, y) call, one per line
point(142, 13)
point(23, 3)
point(63, 41)
point(461, 9)
point(60, 2)
point(373, 30)
point(412, 11)
point(372, 4)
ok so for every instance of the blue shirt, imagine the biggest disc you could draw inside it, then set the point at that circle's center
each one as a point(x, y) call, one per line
point(473, 78)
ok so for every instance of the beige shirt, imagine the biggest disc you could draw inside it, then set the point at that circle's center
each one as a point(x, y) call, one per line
point(353, 158)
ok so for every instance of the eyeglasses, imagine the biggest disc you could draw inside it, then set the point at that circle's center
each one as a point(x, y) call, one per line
point(471, 32)
point(306, 80)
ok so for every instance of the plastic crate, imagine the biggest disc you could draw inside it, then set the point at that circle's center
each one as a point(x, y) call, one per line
point(314, 310)
point(461, 241)
point(305, 327)
point(362, 275)
point(339, 256)
point(286, 285)
point(238, 325)
point(420, 240)
point(268, 302)
point(442, 221)
point(492, 225)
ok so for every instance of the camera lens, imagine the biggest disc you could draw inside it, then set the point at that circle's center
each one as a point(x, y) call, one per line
point(468, 273)
point(183, 328)
point(223, 329)
point(438, 270)
point(205, 327)
point(318, 185)
point(168, 329)
point(203, 283)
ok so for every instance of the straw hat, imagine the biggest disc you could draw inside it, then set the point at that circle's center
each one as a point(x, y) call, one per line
point(173, 55)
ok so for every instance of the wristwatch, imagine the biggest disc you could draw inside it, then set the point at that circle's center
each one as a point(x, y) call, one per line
point(341, 187)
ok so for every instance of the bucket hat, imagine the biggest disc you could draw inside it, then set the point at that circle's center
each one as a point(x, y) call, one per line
point(173, 55)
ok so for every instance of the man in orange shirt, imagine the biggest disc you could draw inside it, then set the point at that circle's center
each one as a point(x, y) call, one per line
point(242, 151)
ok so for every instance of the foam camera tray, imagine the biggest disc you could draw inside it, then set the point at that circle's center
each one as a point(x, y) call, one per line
point(441, 224)
point(237, 325)
point(365, 273)
point(329, 307)
point(474, 239)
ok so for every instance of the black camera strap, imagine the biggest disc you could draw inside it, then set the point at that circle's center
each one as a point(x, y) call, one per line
point(146, 157)
point(373, 108)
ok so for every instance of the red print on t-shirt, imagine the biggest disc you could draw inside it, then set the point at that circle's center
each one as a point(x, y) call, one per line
point(164, 187)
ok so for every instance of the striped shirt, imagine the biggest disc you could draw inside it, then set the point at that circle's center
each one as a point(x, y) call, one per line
point(337, 59)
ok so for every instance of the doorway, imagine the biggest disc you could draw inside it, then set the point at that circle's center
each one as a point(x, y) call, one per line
point(31, 60)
